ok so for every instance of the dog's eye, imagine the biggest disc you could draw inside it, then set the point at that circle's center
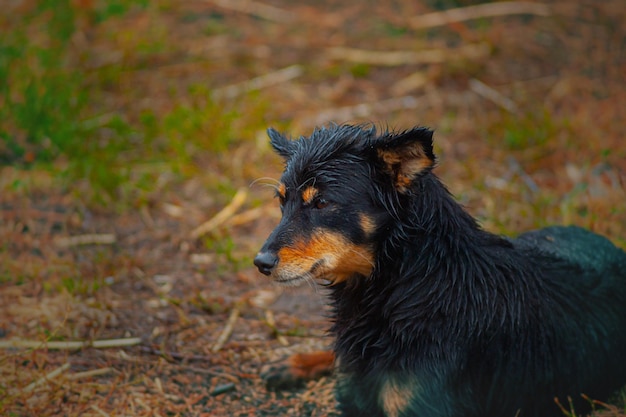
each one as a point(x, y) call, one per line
point(320, 203)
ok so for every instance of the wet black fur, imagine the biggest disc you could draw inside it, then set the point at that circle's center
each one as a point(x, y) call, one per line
point(473, 323)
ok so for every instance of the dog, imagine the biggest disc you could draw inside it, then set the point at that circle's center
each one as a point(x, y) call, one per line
point(432, 315)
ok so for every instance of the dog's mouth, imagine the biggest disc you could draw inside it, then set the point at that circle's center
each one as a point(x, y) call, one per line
point(291, 276)
point(323, 272)
point(292, 281)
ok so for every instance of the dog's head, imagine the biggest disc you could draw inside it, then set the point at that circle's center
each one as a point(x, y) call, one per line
point(335, 196)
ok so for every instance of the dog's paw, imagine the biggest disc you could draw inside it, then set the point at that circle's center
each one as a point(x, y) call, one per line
point(280, 376)
point(295, 370)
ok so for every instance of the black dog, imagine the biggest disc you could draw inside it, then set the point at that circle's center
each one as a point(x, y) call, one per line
point(434, 316)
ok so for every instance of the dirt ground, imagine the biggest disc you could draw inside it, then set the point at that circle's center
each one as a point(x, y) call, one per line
point(529, 117)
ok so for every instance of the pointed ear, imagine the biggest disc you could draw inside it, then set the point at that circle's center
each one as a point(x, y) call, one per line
point(282, 145)
point(406, 155)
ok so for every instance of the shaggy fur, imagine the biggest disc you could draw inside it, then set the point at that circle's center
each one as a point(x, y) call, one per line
point(434, 316)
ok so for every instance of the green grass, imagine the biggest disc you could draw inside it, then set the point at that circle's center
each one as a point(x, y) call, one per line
point(44, 96)
point(532, 129)
point(38, 92)
point(55, 112)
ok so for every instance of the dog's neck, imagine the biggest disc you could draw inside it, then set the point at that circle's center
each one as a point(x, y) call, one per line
point(432, 253)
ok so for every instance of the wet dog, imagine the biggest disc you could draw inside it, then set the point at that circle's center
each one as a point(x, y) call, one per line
point(432, 315)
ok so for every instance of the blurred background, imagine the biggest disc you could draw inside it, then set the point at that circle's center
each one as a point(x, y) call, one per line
point(134, 168)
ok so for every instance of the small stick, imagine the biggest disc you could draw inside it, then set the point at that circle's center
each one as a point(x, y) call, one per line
point(228, 329)
point(89, 239)
point(69, 345)
point(247, 216)
point(269, 318)
point(47, 377)
point(387, 58)
point(87, 374)
point(397, 58)
point(223, 388)
point(99, 410)
point(224, 375)
point(144, 212)
point(462, 14)
point(408, 84)
point(202, 258)
point(528, 180)
point(263, 81)
point(100, 344)
point(222, 215)
point(255, 8)
point(176, 355)
point(493, 95)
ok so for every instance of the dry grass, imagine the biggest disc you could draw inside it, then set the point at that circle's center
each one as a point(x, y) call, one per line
point(529, 113)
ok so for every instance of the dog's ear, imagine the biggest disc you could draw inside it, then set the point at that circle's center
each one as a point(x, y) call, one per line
point(406, 155)
point(282, 145)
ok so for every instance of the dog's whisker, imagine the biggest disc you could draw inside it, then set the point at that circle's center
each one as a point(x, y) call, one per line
point(360, 255)
point(310, 280)
point(266, 182)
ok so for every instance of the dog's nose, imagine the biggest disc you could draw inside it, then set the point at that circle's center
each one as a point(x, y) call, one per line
point(265, 261)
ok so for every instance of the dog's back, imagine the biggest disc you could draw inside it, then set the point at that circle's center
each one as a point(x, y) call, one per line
point(585, 275)
point(433, 316)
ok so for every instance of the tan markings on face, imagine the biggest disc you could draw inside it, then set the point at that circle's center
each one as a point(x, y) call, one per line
point(282, 190)
point(309, 194)
point(326, 255)
point(395, 396)
point(367, 224)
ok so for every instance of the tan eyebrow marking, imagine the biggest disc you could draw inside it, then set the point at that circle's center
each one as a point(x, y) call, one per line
point(309, 194)
point(367, 224)
point(282, 190)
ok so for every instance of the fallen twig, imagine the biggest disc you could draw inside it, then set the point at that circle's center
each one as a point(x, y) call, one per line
point(228, 329)
point(144, 212)
point(269, 319)
point(222, 215)
point(255, 8)
point(408, 84)
point(173, 210)
point(462, 14)
point(47, 377)
point(263, 81)
point(387, 58)
point(89, 239)
point(223, 388)
point(175, 355)
point(99, 410)
point(224, 375)
point(202, 258)
point(88, 374)
point(516, 167)
point(69, 345)
point(396, 58)
point(248, 216)
point(492, 95)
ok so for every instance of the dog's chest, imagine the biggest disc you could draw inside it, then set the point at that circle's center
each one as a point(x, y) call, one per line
point(381, 394)
point(396, 394)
